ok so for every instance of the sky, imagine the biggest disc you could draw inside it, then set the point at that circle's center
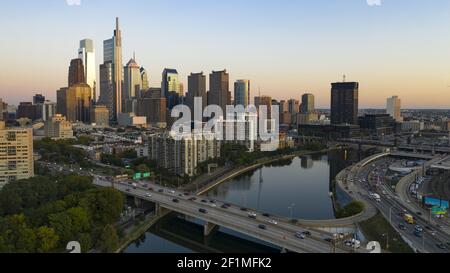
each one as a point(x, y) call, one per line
point(285, 47)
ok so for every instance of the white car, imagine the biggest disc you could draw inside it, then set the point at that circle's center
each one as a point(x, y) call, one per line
point(273, 222)
point(148, 195)
point(213, 205)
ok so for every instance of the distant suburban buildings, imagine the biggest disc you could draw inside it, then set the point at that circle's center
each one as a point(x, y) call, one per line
point(16, 154)
point(344, 103)
point(393, 108)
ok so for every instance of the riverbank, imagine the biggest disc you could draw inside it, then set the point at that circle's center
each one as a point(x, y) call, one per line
point(137, 230)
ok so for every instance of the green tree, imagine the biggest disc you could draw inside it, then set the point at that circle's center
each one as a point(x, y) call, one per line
point(109, 241)
point(47, 239)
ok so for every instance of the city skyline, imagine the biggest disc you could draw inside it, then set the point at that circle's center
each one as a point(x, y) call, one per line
point(283, 65)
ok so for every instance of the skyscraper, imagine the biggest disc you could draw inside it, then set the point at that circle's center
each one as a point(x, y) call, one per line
point(144, 79)
point(219, 89)
point(242, 92)
point(76, 72)
point(170, 87)
point(112, 58)
point(76, 102)
point(344, 103)
point(293, 106)
point(38, 99)
point(132, 80)
point(196, 89)
point(87, 54)
point(307, 105)
point(393, 108)
point(107, 89)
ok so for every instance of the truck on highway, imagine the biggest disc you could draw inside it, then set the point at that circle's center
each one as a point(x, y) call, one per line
point(409, 219)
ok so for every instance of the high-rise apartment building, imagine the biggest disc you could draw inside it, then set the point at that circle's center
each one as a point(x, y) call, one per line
point(393, 108)
point(242, 93)
point(27, 110)
point(87, 54)
point(219, 89)
point(344, 103)
point(111, 73)
point(16, 154)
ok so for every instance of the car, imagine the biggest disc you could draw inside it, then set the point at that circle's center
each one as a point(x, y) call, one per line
point(266, 215)
point(300, 235)
point(204, 211)
point(192, 199)
point(252, 215)
point(418, 234)
point(224, 207)
point(441, 246)
point(263, 227)
point(176, 200)
point(328, 240)
point(244, 209)
point(428, 227)
point(307, 233)
point(180, 195)
point(419, 213)
point(150, 189)
point(204, 201)
point(213, 201)
point(273, 222)
point(418, 228)
point(148, 195)
point(213, 205)
point(161, 190)
point(402, 227)
point(172, 192)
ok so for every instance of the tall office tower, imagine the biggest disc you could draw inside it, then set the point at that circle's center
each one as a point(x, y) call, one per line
point(242, 92)
point(307, 105)
point(132, 80)
point(112, 59)
point(181, 89)
point(219, 89)
point(284, 106)
point(38, 99)
point(144, 80)
point(344, 103)
point(293, 106)
point(46, 110)
point(154, 109)
point(264, 100)
point(170, 87)
point(16, 154)
point(76, 72)
point(75, 102)
point(107, 89)
point(393, 108)
point(196, 89)
point(87, 54)
point(27, 110)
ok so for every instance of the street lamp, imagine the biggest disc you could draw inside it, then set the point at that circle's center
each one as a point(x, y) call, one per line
point(291, 208)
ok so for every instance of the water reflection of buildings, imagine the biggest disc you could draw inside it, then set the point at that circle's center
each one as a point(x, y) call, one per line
point(307, 162)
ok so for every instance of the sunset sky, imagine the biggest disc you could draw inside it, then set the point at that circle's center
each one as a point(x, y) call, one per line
point(285, 47)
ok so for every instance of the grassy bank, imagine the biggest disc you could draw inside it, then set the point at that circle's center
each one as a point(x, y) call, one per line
point(374, 229)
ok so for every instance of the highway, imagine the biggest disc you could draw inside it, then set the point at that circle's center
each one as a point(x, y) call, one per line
point(281, 234)
point(372, 178)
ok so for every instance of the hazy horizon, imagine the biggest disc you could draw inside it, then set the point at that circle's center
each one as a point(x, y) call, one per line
point(285, 47)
